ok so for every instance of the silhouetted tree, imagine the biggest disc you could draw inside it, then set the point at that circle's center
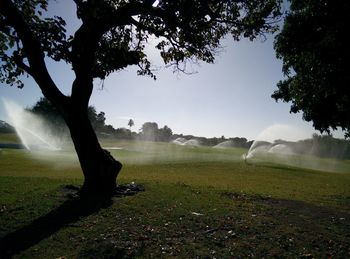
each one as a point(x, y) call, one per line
point(323, 146)
point(164, 134)
point(100, 121)
point(51, 115)
point(131, 123)
point(6, 128)
point(46, 110)
point(315, 54)
point(112, 36)
point(123, 133)
point(149, 131)
point(240, 142)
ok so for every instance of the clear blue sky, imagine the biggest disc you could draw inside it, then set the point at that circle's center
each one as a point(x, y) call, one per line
point(230, 97)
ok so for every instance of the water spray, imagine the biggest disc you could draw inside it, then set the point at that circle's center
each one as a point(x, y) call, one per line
point(30, 128)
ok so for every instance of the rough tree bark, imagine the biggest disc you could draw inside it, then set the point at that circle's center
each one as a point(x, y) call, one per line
point(99, 167)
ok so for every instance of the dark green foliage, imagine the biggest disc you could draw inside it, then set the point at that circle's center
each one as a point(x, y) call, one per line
point(55, 121)
point(151, 132)
point(241, 142)
point(315, 56)
point(5, 127)
point(131, 123)
point(324, 146)
point(236, 141)
point(123, 133)
point(51, 116)
point(164, 134)
point(318, 145)
point(116, 31)
point(97, 119)
point(49, 31)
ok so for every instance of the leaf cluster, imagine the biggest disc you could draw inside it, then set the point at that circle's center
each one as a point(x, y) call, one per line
point(192, 30)
point(49, 32)
point(315, 54)
point(114, 33)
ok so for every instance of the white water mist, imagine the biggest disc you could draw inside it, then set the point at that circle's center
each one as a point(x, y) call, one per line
point(30, 128)
point(277, 144)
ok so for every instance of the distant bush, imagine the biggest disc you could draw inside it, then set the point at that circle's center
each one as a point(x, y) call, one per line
point(324, 146)
point(6, 128)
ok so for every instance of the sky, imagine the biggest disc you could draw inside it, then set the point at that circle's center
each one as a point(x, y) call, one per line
point(230, 98)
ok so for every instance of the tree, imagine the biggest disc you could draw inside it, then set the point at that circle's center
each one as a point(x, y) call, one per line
point(131, 123)
point(6, 128)
point(51, 115)
point(123, 133)
point(149, 131)
point(111, 37)
point(97, 119)
point(315, 55)
point(100, 121)
point(164, 134)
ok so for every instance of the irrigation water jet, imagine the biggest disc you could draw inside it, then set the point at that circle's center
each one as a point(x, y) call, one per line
point(225, 144)
point(290, 146)
point(30, 128)
point(272, 145)
point(184, 142)
point(269, 140)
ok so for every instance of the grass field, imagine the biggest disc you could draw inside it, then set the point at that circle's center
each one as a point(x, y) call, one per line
point(199, 202)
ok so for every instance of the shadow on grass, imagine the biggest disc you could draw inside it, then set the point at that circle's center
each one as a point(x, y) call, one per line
point(294, 209)
point(68, 212)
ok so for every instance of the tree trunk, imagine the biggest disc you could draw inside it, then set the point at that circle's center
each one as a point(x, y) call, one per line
point(99, 167)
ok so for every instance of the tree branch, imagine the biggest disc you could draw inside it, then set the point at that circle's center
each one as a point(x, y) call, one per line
point(35, 55)
point(87, 37)
point(19, 62)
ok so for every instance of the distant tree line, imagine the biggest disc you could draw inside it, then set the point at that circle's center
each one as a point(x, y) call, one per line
point(323, 146)
point(6, 128)
point(54, 121)
point(318, 145)
point(235, 142)
point(149, 130)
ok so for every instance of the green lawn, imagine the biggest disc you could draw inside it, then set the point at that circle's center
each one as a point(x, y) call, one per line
point(199, 202)
point(9, 138)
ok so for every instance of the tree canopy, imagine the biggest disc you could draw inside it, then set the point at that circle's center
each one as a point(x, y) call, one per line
point(151, 132)
point(315, 54)
point(113, 35)
point(131, 123)
point(51, 115)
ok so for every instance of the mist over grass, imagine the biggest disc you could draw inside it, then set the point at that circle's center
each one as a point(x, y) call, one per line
point(306, 161)
point(138, 152)
point(168, 163)
point(49, 142)
point(199, 201)
point(289, 146)
point(145, 152)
